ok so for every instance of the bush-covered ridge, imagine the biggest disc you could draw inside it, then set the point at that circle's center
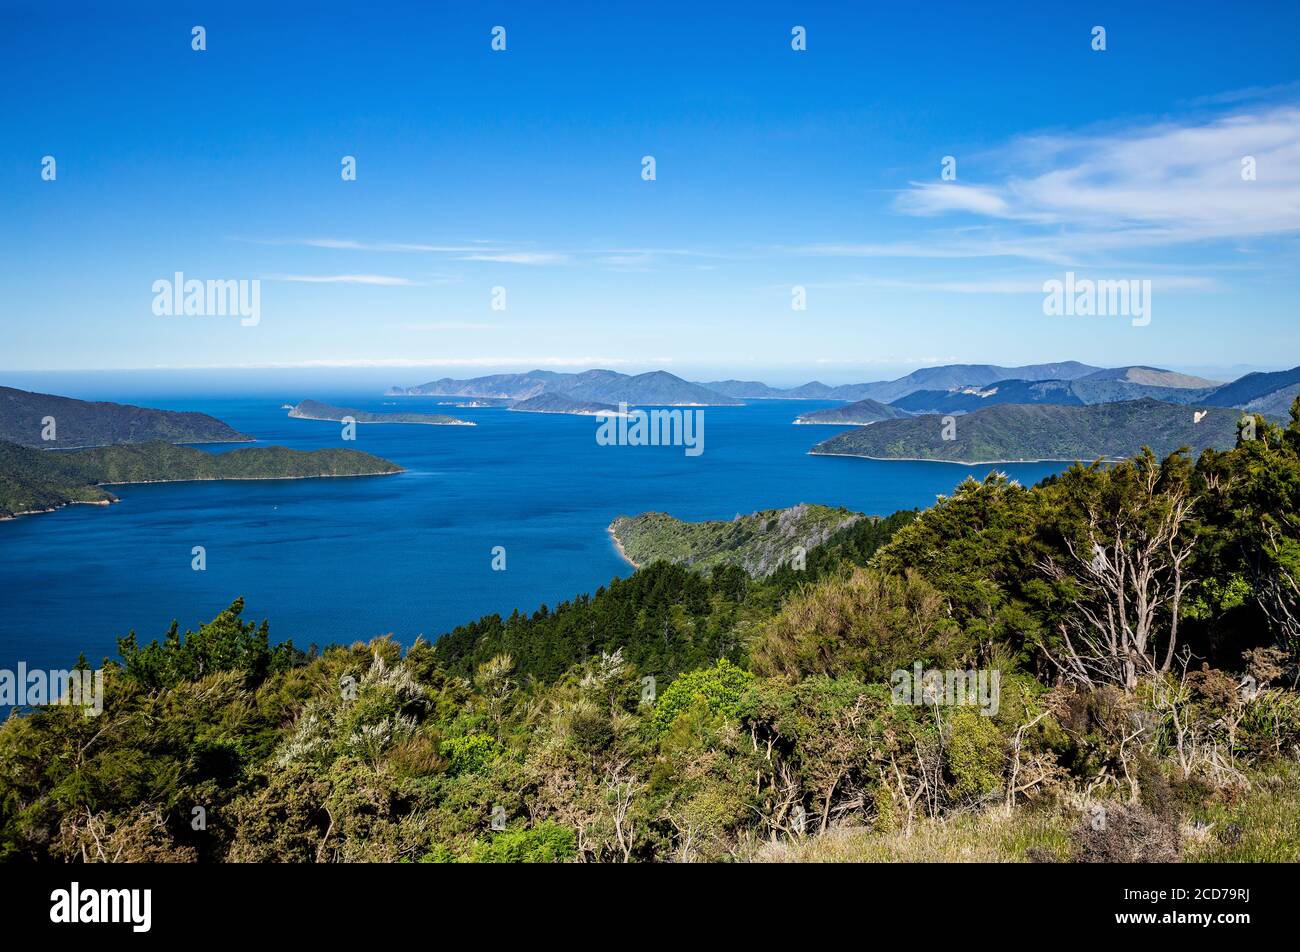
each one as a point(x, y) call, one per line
point(36, 481)
point(759, 543)
point(80, 423)
point(1140, 617)
point(1022, 432)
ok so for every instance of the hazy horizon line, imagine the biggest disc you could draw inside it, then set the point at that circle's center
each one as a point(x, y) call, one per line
point(793, 371)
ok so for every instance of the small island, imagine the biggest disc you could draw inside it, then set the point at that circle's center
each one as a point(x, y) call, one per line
point(860, 413)
point(315, 410)
point(556, 403)
point(34, 481)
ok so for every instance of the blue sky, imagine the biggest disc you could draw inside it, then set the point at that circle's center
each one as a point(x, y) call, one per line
point(521, 169)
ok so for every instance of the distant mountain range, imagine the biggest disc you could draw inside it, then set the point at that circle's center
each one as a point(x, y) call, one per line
point(660, 388)
point(947, 389)
point(1020, 432)
point(885, 391)
point(25, 419)
point(1267, 393)
point(1276, 404)
point(961, 375)
point(1257, 388)
point(1106, 386)
point(315, 410)
point(746, 390)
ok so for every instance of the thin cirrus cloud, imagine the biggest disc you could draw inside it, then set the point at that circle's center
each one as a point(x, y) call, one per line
point(376, 279)
point(496, 252)
point(516, 257)
point(348, 244)
point(1144, 187)
point(484, 251)
point(1170, 282)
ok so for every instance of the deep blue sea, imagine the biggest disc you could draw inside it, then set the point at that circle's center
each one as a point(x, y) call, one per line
point(336, 560)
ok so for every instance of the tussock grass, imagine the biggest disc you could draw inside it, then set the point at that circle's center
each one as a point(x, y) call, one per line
point(1261, 827)
point(991, 837)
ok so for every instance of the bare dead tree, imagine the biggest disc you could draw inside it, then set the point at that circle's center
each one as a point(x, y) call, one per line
point(1278, 594)
point(621, 788)
point(686, 834)
point(910, 798)
point(1129, 568)
point(1023, 780)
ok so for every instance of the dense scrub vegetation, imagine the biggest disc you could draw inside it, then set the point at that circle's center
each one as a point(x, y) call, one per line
point(1143, 619)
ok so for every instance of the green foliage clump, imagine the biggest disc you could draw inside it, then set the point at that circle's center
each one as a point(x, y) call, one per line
point(975, 753)
point(719, 689)
point(544, 843)
point(866, 624)
point(471, 752)
point(224, 644)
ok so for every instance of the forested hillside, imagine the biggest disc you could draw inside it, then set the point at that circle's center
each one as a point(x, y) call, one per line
point(759, 542)
point(51, 422)
point(1009, 432)
point(35, 481)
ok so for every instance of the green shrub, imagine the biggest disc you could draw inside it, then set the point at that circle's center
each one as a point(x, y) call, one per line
point(975, 753)
point(544, 843)
point(470, 753)
point(864, 625)
point(720, 688)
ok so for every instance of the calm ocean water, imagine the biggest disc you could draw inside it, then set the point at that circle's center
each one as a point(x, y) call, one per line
point(335, 560)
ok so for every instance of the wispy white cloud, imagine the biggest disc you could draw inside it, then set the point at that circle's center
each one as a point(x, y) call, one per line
point(1246, 94)
point(418, 326)
point(1018, 285)
point(500, 252)
point(942, 245)
point(931, 198)
point(348, 244)
point(1144, 187)
point(517, 257)
point(380, 279)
